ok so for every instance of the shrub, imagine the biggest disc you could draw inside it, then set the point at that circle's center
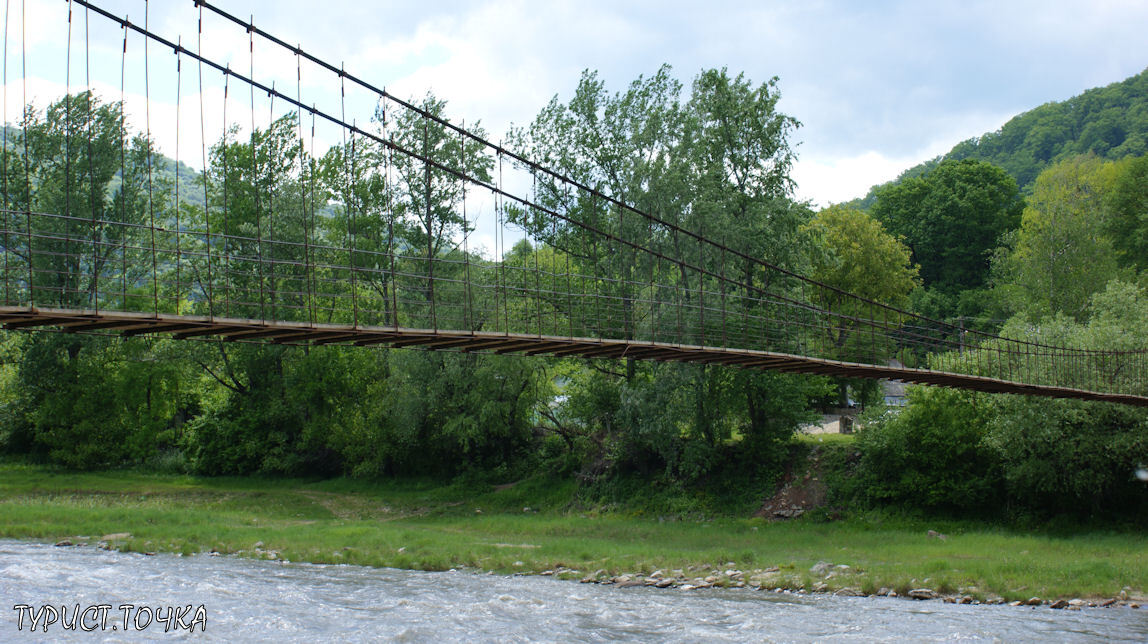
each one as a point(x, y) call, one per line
point(931, 455)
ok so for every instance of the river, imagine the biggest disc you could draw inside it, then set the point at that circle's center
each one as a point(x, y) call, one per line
point(247, 600)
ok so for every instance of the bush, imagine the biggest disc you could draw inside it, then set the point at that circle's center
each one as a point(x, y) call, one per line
point(1068, 457)
point(931, 455)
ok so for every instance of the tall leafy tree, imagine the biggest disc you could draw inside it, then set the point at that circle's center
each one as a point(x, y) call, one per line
point(1127, 205)
point(1061, 255)
point(428, 199)
point(87, 176)
point(951, 219)
point(859, 257)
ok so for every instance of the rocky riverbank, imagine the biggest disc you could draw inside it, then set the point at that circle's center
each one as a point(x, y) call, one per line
point(774, 579)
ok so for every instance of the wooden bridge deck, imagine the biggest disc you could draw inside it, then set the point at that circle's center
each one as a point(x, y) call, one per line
point(302, 333)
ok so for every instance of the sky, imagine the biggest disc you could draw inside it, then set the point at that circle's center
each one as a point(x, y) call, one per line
point(877, 86)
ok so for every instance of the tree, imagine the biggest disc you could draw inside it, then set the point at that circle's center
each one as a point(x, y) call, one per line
point(87, 180)
point(717, 164)
point(857, 257)
point(427, 199)
point(952, 219)
point(1061, 255)
point(1127, 204)
point(860, 256)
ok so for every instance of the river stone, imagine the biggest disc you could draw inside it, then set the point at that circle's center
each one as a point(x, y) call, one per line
point(664, 583)
point(923, 593)
point(1033, 601)
point(63, 543)
point(1108, 602)
point(967, 599)
point(849, 592)
point(820, 568)
point(1058, 604)
point(1076, 602)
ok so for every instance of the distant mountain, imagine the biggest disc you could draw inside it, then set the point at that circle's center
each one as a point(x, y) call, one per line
point(1111, 122)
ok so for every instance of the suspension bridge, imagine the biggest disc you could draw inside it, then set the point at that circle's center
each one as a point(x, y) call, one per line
point(412, 231)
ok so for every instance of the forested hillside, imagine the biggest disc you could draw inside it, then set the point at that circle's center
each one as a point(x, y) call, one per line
point(1110, 122)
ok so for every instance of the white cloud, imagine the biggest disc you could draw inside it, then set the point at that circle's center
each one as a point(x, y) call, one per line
point(825, 182)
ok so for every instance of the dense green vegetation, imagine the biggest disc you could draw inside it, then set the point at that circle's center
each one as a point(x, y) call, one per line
point(1064, 266)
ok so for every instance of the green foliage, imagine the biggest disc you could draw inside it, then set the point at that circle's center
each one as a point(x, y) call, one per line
point(1127, 204)
point(860, 257)
point(93, 402)
point(1070, 457)
point(1061, 254)
point(1023, 457)
point(413, 413)
point(951, 219)
point(930, 455)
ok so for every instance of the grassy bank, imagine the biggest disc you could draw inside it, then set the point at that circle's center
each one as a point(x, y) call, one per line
point(423, 526)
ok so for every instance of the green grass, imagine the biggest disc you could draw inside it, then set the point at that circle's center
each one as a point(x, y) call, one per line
point(825, 439)
point(422, 525)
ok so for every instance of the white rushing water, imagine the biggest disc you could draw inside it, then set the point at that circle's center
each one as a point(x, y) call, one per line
point(246, 600)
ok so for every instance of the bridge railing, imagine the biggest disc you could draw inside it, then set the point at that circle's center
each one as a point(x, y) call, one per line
point(57, 261)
